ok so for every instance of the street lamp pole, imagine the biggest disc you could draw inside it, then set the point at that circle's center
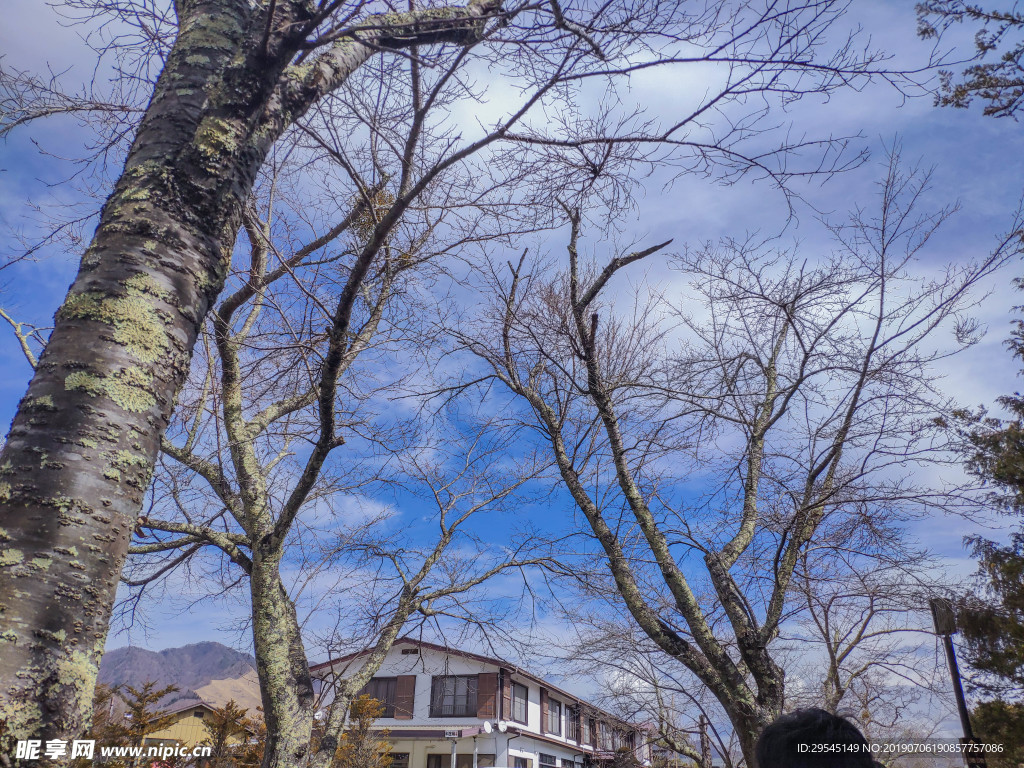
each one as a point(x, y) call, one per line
point(945, 627)
point(958, 689)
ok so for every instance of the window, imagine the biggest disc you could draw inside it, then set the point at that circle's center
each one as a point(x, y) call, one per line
point(565, 764)
point(453, 696)
point(572, 723)
point(199, 713)
point(410, 651)
point(604, 737)
point(544, 759)
point(383, 690)
point(522, 762)
point(588, 730)
point(519, 698)
point(461, 761)
point(621, 739)
point(399, 760)
point(554, 723)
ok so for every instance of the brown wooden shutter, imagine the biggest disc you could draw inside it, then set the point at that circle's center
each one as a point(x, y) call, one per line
point(405, 696)
point(506, 697)
point(544, 710)
point(487, 695)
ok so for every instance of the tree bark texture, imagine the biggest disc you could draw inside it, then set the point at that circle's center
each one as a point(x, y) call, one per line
point(285, 683)
point(83, 444)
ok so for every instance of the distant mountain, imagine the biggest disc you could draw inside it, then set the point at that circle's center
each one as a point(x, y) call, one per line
point(207, 671)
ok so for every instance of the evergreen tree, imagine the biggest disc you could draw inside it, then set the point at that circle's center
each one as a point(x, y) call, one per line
point(361, 746)
point(251, 753)
point(997, 76)
point(225, 724)
point(992, 618)
point(624, 758)
point(143, 716)
point(998, 722)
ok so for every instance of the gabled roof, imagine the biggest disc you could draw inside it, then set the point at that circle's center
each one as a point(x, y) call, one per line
point(475, 657)
point(187, 705)
point(198, 704)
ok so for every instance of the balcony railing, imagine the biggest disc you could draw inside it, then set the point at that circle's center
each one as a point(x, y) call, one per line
point(453, 709)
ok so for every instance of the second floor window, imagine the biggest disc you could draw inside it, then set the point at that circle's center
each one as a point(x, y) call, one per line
point(519, 696)
point(383, 690)
point(605, 741)
point(461, 761)
point(572, 723)
point(453, 696)
point(554, 723)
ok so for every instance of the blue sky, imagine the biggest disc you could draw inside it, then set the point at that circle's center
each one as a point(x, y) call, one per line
point(977, 161)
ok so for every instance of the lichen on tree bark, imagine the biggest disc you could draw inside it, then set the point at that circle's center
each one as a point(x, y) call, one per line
point(84, 441)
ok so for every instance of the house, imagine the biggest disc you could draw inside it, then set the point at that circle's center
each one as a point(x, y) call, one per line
point(441, 702)
point(187, 728)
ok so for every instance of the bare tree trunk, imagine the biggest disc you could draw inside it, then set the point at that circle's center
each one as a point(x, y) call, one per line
point(705, 743)
point(586, 382)
point(285, 682)
point(82, 446)
point(84, 441)
point(748, 728)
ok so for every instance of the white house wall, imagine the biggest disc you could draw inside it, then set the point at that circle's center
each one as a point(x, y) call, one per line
point(428, 663)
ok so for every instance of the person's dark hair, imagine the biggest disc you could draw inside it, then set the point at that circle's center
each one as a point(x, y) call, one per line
point(779, 744)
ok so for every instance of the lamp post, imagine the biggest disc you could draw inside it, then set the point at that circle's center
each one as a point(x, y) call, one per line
point(945, 627)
